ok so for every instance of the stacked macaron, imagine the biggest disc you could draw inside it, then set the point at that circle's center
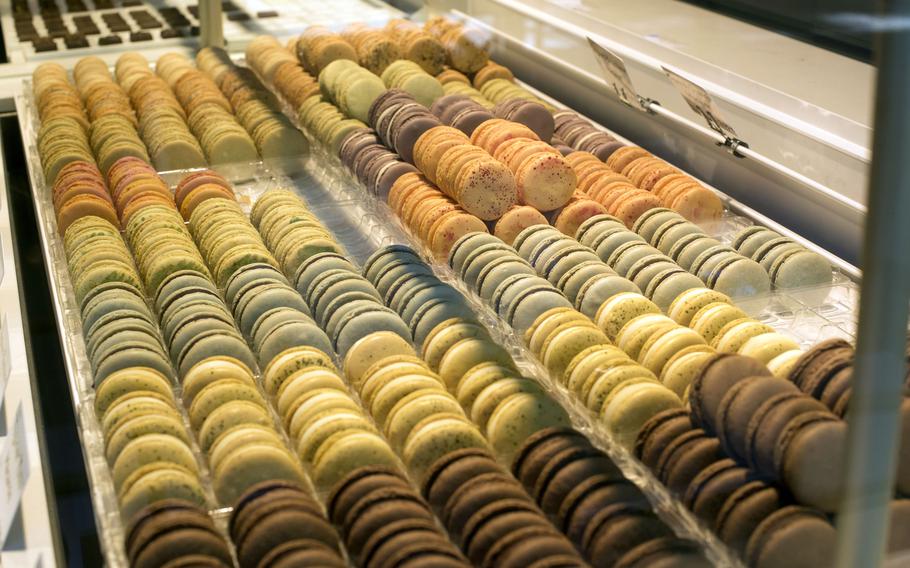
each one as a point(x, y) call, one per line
point(491, 71)
point(582, 135)
point(469, 175)
point(499, 90)
point(377, 167)
point(466, 46)
point(266, 308)
point(266, 55)
point(257, 109)
point(561, 337)
point(432, 216)
point(408, 76)
point(113, 132)
point(134, 184)
point(145, 441)
point(351, 87)
point(417, 45)
point(400, 120)
point(327, 427)
point(570, 266)
point(719, 266)
point(458, 87)
point(162, 120)
point(530, 113)
point(568, 218)
point(506, 407)
point(100, 93)
point(375, 49)
point(450, 75)
point(172, 532)
point(79, 191)
point(614, 191)
point(771, 426)
point(410, 403)
point(342, 302)
point(543, 178)
point(281, 68)
point(606, 516)
point(491, 515)
point(676, 190)
point(275, 523)
point(461, 112)
point(62, 135)
point(729, 330)
point(789, 264)
point(118, 328)
point(51, 84)
point(825, 372)
point(318, 46)
point(756, 518)
point(209, 114)
point(214, 61)
point(172, 66)
point(384, 522)
point(326, 123)
point(235, 430)
point(657, 275)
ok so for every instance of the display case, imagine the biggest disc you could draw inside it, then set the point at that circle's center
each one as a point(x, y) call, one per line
point(783, 152)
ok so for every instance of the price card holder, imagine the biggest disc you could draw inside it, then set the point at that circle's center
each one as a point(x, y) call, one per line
point(701, 102)
point(14, 469)
point(616, 75)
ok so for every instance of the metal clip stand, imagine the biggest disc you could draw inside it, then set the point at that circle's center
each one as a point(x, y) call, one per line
point(881, 338)
point(211, 24)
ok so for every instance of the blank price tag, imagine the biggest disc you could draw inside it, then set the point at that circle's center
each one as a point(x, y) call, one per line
point(701, 102)
point(615, 74)
point(13, 473)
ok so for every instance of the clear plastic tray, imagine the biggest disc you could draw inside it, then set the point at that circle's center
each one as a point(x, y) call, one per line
point(362, 224)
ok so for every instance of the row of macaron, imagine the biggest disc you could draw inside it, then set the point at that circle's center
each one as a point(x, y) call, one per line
point(675, 267)
point(62, 135)
point(632, 197)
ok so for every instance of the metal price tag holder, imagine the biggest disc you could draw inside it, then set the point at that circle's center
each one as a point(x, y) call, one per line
point(698, 99)
point(615, 73)
point(703, 105)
